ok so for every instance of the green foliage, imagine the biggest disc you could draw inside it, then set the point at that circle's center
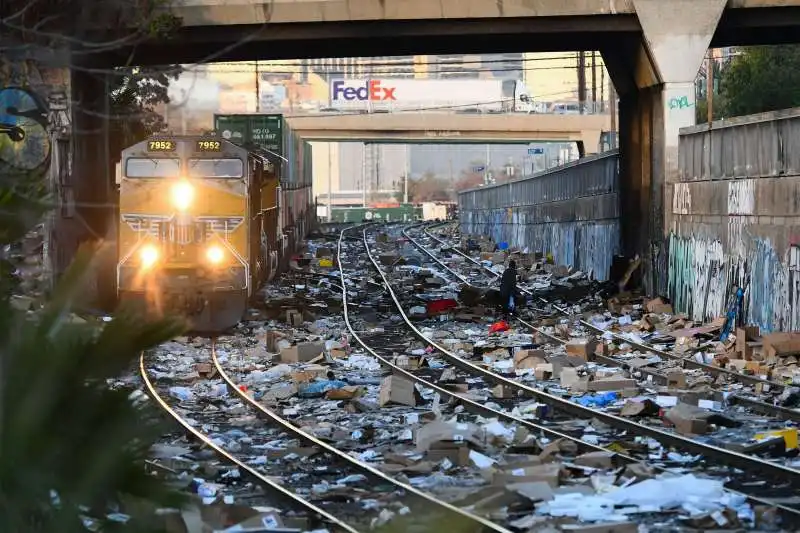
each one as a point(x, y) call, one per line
point(85, 23)
point(763, 78)
point(135, 93)
point(62, 429)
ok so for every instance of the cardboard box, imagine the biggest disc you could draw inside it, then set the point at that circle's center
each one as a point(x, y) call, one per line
point(503, 392)
point(583, 348)
point(782, 344)
point(548, 473)
point(302, 352)
point(458, 454)
point(398, 390)
point(528, 359)
point(744, 341)
point(611, 384)
point(676, 380)
point(294, 318)
point(543, 371)
point(658, 306)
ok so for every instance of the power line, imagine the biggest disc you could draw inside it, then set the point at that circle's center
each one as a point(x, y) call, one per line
point(365, 62)
point(387, 73)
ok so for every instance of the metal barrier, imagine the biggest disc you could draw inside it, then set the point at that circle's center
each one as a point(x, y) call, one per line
point(571, 212)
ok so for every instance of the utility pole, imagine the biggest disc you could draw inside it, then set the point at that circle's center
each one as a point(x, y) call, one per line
point(364, 177)
point(330, 179)
point(405, 178)
point(612, 109)
point(594, 81)
point(710, 87)
point(581, 80)
point(602, 89)
point(258, 90)
point(486, 170)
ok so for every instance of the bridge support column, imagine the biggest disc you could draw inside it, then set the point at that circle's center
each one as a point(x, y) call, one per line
point(655, 79)
point(87, 200)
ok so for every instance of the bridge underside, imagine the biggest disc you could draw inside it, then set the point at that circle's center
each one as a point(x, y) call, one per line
point(248, 42)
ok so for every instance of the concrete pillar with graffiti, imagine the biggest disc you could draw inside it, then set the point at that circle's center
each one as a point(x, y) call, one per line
point(34, 133)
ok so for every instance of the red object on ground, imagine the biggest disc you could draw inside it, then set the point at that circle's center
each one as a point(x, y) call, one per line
point(499, 326)
point(243, 388)
point(439, 306)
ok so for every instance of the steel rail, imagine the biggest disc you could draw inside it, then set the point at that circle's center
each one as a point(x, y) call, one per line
point(279, 492)
point(780, 412)
point(685, 361)
point(366, 469)
point(469, 405)
point(729, 457)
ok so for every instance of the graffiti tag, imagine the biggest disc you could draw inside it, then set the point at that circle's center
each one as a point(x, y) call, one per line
point(680, 102)
point(24, 140)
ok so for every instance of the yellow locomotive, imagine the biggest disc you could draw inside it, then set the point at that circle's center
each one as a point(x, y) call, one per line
point(198, 218)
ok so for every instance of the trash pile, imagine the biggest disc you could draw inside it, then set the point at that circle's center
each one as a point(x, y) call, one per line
point(295, 356)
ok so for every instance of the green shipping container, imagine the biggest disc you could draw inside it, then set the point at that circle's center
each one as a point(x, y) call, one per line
point(267, 132)
point(264, 130)
point(234, 128)
point(404, 213)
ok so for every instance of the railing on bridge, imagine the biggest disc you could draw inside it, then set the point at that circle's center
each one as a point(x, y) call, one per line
point(571, 212)
point(504, 106)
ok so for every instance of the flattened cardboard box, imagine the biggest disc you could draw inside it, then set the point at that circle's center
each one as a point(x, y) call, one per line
point(302, 352)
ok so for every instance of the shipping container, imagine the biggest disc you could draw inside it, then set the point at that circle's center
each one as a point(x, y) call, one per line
point(384, 94)
point(265, 131)
point(403, 213)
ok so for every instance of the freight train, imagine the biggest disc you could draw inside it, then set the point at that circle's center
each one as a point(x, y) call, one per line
point(203, 224)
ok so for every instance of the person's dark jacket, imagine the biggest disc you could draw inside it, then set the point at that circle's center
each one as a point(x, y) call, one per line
point(508, 283)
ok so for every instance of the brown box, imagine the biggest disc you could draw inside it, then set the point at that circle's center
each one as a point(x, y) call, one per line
point(782, 344)
point(525, 359)
point(302, 352)
point(549, 473)
point(396, 389)
point(583, 348)
point(611, 384)
point(294, 318)
point(676, 380)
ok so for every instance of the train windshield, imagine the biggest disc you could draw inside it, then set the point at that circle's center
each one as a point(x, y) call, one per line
point(144, 167)
point(216, 168)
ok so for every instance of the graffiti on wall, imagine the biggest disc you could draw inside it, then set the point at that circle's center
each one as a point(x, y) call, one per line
point(681, 199)
point(702, 278)
point(741, 197)
point(34, 111)
point(24, 139)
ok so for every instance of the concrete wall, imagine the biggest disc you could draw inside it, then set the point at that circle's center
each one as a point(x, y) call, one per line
point(571, 212)
point(736, 216)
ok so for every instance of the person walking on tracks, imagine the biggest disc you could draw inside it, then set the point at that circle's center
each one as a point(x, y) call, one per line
point(508, 288)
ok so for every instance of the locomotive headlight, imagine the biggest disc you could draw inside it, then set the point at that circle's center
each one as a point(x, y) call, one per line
point(215, 255)
point(148, 256)
point(182, 195)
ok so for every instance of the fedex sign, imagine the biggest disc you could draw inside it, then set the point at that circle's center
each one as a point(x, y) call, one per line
point(371, 90)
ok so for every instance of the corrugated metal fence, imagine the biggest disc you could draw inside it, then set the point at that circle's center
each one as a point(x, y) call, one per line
point(571, 212)
point(736, 214)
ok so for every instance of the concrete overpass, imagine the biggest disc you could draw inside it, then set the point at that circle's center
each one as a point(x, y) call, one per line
point(454, 128)
point(290, 29)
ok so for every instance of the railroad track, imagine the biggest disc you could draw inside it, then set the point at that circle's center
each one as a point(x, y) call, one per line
point(682, 361)
point(328, 465)
point(307, 493)
point(754, 468)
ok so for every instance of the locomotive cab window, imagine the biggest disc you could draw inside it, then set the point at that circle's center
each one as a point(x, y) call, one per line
point(145, 167)
point(216, 168)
